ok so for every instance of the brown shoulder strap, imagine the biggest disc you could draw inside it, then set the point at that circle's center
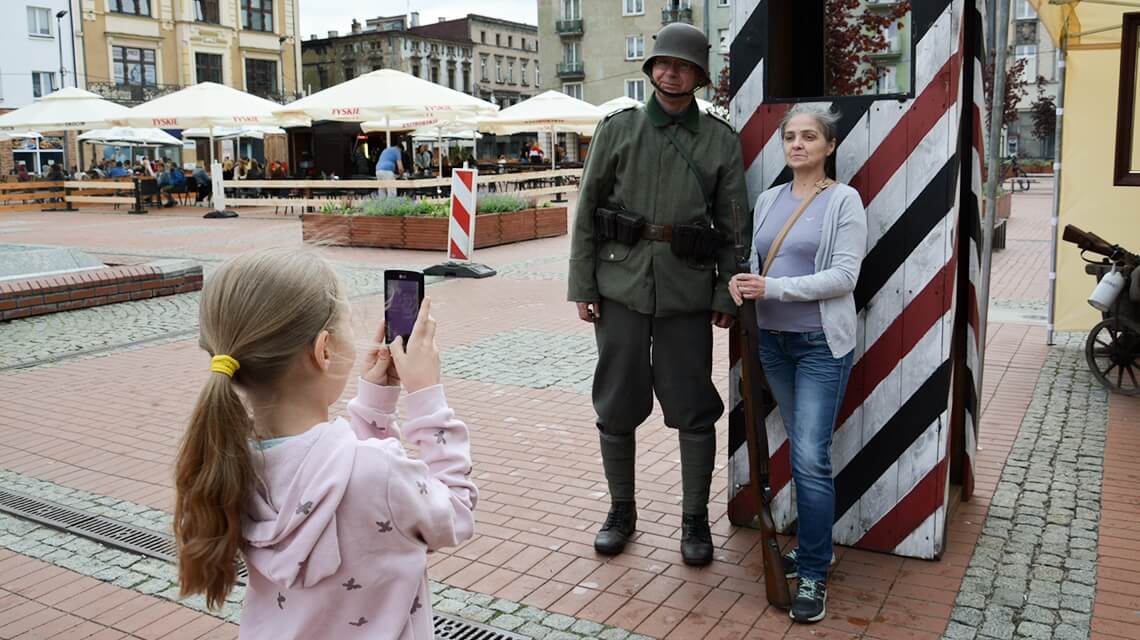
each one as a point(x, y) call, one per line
point(774, 250)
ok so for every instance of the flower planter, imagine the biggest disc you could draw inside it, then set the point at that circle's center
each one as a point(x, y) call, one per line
point(430, 234)
point(320, 228)
point(376, 231)
point(425, 233)
point(1004, 205)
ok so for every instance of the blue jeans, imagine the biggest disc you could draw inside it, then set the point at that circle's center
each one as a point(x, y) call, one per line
point(808, 384)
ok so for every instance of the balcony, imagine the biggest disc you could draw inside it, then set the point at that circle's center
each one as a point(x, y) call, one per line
point(676, 15)
point(893, 49)
point(569, 70)
point(570, 27)
point(881, 4)
point(130, 95)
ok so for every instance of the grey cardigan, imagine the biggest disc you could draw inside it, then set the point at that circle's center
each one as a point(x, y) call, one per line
point(842, 246)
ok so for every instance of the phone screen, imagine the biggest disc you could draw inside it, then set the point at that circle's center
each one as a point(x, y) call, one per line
point(402, 305)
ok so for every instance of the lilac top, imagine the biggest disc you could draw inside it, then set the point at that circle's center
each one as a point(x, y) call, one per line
point(796, 258)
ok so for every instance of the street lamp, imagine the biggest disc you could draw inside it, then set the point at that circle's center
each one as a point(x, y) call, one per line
point(59, 37)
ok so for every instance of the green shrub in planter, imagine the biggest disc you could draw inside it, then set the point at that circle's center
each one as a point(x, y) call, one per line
point(501, 203)
point(402, 206)
point(336, 208)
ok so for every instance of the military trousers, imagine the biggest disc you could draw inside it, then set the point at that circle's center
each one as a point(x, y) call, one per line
point(640, 355)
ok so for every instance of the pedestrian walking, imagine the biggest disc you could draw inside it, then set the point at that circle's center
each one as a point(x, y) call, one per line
point(662, 198)
point(811, 237)
point(390, 165)
point(332, 517)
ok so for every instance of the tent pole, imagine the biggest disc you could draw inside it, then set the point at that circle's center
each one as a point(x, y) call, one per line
point(553, 137)
point(993, 175)
point(440, 147)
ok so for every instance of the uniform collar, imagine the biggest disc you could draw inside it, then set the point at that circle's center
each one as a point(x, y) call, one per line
point(659, 118)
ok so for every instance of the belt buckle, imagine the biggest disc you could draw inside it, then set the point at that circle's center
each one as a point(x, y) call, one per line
point(654, 231)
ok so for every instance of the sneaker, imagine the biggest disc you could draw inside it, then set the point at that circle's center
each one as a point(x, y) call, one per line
point(792, 565)
point(810, 604)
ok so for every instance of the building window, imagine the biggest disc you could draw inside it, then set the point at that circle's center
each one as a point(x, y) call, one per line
point(466, 80)
point(257, 15)
point(39, 21)
point(209, 67)
point(1029, 53)
point(416, 69)
point(523, 71)
point(207, 11)
point(537, 75)
point(722, 35)
point(323, 77)
point(635, 89)
point(634, 47)
point(498, 40)
point(888, 80)
point(483, 68)
point(573, 89)
point(349, 73)
point(510, 42)
point(510, 71)
point(483, 37)
point(261, 77)
point(722, 3)
point(522, 43)
point(43, 83)
point(134, 66)
point(571, 52)
point(633, 7)
point(1025, 10)
point(571, 9)
point(435, 74)
point(498, 69)
point(132, 7)
point(451, 77)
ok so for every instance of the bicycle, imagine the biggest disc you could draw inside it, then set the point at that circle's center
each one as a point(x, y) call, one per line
point(1012, 173)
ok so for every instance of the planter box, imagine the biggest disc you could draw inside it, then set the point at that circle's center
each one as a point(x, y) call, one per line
point(425, 233)
point(326, 229)
point(376, 231)
point(1004, 205)
point(430, 234)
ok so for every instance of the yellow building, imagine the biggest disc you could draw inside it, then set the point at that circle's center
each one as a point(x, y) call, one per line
point(134, 50)
point(1096, 194)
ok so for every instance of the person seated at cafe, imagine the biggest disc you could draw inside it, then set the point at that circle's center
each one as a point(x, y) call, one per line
point(22, 174)
point(118, 171)
point(55, 172)
point(559, 154)
point(423, 159)
point(524, 153)
point(535, 153)
point(277, 170)
point(227, 168)
point(202, 184)
point(240, 169)
point(177, 184)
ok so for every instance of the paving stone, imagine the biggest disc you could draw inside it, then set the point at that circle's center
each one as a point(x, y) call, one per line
point(478, 614)
point(506, 606)
point(558, 621)
point(480, 599)
point(508, 622)
point(447, 605)
point(534, 630)
point(959, 631)
point(587, 628)
point(531, 613)
point(1034, 630)
point(614, 634)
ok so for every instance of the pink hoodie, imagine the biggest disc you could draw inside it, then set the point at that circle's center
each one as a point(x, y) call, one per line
point(338, 532)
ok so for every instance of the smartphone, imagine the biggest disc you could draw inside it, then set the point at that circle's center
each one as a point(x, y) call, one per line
point(403, 295)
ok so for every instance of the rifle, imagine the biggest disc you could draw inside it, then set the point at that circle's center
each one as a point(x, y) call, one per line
point(752, 385)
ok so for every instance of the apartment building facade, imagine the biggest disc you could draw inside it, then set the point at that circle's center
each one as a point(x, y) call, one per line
point(594, 49)
point(135, 50)
point(1028, 40)
point(493, 59)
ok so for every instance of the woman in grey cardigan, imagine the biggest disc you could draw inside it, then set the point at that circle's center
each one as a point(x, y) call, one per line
point(806, 315)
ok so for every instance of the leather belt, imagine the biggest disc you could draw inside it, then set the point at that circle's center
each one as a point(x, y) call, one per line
point(658, 232)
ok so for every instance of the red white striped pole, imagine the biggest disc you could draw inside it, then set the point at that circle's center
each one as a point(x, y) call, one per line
point(461, 231)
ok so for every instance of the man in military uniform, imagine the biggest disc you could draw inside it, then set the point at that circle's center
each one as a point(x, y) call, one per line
point(661, 203)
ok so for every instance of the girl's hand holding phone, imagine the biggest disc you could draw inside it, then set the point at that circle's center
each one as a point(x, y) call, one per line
point(378, 366)
point(417, 362)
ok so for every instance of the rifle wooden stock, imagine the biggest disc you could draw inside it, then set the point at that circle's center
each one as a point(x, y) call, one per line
point(751, 386)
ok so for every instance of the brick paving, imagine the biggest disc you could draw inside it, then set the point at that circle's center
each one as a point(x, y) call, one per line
point(517, 365)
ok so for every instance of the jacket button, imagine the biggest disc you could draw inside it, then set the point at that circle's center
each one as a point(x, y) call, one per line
point(611, 256)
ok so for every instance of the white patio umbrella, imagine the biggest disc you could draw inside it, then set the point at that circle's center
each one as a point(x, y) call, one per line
point(65, 110)
point(387, 96)
point(255, 131)
point(427, 128)
point(552, 110)
point(130, 136)
point(210, 105)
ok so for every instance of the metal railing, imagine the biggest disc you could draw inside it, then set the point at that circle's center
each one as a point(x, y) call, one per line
point(571, 70)
point(677, 15)
point(131, 94)
point(569, 27)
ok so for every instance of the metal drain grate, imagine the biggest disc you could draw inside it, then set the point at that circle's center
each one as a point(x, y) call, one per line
point(158, 545)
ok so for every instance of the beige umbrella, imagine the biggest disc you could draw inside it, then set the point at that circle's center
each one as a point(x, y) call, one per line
point(552, 110)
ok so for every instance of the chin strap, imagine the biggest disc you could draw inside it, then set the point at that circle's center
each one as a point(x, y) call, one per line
point(672, 94)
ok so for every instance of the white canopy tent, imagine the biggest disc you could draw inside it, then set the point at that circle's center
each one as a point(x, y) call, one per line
point(209, 105)
point(388, 96)
point(549, 111)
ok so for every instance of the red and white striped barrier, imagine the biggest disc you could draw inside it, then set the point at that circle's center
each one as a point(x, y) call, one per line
point(461, 231)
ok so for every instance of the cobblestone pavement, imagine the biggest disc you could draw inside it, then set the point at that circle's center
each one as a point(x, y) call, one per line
point(1033, 574)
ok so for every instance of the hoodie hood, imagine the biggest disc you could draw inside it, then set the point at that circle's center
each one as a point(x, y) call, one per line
point(290, 524)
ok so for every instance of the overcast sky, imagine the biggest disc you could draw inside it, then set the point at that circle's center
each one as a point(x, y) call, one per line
point(321, 16)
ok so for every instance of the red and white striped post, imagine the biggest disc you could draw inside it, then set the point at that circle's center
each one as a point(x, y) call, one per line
point(461, 230)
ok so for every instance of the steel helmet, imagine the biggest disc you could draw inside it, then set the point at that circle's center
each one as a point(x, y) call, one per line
point(684, 42)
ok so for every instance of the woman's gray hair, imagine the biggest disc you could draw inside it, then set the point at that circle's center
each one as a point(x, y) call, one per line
point(827, 118)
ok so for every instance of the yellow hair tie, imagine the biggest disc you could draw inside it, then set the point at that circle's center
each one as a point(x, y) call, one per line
point(224, 364)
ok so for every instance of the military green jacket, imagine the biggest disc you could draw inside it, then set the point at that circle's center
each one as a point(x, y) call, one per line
point(632, 164)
